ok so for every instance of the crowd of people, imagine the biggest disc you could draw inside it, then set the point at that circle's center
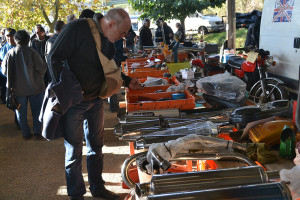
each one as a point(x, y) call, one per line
point(73, 57)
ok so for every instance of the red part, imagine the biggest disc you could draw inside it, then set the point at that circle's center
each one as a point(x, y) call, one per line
point(248, 66)
point(239, 73)
point(198, 62)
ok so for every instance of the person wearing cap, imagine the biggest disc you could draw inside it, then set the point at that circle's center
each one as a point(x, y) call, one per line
point(28, 81)
point(9, 35)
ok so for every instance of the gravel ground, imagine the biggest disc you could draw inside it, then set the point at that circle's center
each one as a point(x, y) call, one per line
point(34, 169)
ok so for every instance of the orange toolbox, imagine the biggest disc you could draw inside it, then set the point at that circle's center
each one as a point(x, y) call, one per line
point(152, 89)
point(154, 101)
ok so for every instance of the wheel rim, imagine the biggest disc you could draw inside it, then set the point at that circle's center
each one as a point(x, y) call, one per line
point(276, 92)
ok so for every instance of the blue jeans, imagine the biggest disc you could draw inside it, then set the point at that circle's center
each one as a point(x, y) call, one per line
point(21, 114)
point(73, 119)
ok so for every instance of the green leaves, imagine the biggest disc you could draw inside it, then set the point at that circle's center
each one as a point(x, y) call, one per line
point(25, 14)
point(172, 9)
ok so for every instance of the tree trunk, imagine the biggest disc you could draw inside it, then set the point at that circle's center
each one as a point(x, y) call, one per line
point(182, 23)
point(51, 24)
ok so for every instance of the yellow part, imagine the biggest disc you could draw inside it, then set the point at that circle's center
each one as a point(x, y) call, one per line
point(269, 133)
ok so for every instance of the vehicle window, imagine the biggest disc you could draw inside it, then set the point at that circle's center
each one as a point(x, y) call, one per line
point(134, 26)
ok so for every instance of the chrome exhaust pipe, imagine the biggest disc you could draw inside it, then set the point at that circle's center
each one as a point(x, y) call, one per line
point(266, 191)
point(202, 180)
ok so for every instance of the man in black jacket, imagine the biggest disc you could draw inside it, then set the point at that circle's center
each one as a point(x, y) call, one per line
point(75, 48)
point(145, 35)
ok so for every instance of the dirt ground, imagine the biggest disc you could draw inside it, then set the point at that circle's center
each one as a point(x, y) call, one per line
point(34, 169)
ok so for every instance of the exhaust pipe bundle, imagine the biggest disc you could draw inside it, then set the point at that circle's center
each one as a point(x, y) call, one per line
point(203, 180)
point(265, 191)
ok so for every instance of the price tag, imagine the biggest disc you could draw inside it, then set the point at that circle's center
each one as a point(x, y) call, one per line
point(252, 56)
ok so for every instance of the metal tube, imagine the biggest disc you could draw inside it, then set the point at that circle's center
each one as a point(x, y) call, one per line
point(202, 180)
point(266, 191)
point(219, 156)
point(158, 160)
point(125, 169)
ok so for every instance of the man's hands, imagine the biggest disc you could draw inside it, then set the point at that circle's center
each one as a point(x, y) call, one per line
point(135, 84)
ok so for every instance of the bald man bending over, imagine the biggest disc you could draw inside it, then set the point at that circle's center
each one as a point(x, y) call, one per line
point(75, 48)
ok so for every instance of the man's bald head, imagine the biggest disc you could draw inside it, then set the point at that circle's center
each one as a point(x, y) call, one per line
point(118, 15)
point(115, 24)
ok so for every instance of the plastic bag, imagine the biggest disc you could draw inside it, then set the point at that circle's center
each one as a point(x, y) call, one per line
point(224, 86)
point(199, 128)
point(155, 81)
point(181, 87)
point(293, 177)
point(184, 144)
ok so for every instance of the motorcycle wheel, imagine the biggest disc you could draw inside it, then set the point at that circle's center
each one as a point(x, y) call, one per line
point(274, 91)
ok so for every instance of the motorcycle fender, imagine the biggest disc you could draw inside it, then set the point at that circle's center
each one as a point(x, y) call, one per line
point(269, 78)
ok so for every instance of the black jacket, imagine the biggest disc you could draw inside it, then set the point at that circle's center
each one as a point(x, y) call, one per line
point(145, 37)
point(39, 46)
point(75, 48)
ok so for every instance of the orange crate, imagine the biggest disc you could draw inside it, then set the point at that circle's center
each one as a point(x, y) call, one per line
point(182, 104)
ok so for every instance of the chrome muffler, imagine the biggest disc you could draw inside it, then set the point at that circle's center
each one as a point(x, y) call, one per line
point(265, 191)
point(203, 180)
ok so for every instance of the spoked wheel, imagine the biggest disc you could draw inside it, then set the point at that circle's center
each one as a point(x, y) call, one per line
point(274, 91)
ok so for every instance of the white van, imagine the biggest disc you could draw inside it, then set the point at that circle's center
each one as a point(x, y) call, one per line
point(280, 34)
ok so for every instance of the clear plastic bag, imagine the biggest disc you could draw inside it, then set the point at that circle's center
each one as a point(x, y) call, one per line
point(292, 176)
point(199, 128)
point(184, 144)
point(224, 86)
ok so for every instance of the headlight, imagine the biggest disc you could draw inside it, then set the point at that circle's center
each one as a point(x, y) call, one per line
point(268, 61)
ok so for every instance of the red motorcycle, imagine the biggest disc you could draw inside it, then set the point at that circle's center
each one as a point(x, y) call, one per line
point(253, 71)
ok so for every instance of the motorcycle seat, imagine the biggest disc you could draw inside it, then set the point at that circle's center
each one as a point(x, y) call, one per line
point(236, 62)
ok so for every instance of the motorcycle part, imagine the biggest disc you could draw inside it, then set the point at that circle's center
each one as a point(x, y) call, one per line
point(269, 132)
point(202, 180)
point(266, 191)
point(274, 90)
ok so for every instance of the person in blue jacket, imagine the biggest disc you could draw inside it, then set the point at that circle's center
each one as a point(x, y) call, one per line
point(9, 34)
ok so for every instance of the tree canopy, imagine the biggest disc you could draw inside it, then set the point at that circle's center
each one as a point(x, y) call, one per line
point(25, 14)
point(172, 9)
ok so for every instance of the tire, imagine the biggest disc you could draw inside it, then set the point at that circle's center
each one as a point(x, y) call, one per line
point(279, 92)
point(204, 29)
